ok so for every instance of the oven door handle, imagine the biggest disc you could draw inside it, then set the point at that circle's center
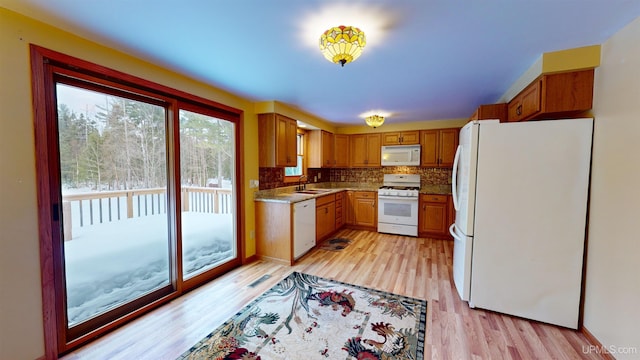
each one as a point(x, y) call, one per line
point(403, 198)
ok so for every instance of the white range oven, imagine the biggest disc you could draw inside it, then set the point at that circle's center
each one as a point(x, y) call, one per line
point(398, 204)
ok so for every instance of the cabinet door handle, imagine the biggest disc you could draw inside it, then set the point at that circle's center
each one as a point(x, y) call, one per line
point(519, 110)
point(326, 210)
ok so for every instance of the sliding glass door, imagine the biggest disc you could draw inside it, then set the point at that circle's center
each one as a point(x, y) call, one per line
point(113, 174)
point(141, 183)
point(207, 158)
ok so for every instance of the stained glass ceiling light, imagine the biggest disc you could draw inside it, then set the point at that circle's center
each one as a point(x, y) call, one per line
point(374, 120)
point(342, 44)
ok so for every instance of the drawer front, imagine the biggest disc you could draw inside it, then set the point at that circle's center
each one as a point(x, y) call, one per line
point(365, 194)
point(326, 199)
point(433, 198)
point(339, 195)
point(339, 212)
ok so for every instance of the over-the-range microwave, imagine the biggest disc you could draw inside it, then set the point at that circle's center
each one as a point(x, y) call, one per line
point(400, 155)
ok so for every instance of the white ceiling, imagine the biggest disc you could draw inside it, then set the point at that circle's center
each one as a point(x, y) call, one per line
point(425, 59)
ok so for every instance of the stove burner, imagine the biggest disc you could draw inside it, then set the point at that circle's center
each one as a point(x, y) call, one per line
point(399, 188)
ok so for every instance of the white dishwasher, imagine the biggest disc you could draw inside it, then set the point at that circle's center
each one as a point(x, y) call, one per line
point(304, 227)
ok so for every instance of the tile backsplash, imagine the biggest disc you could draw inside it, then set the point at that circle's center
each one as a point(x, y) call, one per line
point(428, 176)
point(271, 178)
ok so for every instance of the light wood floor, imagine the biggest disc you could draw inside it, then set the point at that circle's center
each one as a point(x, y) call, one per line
point(413, 267)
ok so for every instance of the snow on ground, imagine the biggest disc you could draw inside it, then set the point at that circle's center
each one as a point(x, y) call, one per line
point(110, 263)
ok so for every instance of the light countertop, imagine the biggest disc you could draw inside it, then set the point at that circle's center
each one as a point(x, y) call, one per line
point(289, 195)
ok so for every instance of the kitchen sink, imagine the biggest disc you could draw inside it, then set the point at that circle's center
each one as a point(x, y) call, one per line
point(313, 191)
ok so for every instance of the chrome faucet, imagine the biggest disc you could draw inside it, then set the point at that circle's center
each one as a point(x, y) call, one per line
point(300, 185)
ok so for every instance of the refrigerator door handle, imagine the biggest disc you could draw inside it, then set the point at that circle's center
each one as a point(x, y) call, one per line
point(452, 231)
point(454, 178)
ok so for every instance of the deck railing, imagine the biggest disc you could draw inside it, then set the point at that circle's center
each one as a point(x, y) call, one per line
point(107, 206)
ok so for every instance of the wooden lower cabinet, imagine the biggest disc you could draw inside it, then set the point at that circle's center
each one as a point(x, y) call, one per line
point(349, 212)
point(325, 217)
point(274, 225)
point(366, 209)
point(274, 231)
point(340, 209)
point(361, 210)
point(433, 216)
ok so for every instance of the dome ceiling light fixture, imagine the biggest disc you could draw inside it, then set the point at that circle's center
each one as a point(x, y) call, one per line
point(342, 44)
point(374, 120)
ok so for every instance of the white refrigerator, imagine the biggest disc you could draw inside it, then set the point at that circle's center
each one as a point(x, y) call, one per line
point(520, 191)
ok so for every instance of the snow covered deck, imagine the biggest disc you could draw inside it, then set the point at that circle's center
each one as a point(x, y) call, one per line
point(112, 262)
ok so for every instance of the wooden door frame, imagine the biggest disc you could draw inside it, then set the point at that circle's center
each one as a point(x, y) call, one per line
point(44, 105)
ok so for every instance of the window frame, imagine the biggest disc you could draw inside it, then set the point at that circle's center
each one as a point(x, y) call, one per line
point(305, 142)
point(46, 65)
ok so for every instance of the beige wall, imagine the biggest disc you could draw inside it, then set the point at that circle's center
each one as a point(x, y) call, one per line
point(612, 291)
point(612, 286)
point(391, 126)
point(361, 128)
point(21, 335)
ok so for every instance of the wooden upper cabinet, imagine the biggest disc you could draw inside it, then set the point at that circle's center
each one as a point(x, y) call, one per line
point(438, 147)
point(429, 139)
point(365, 150)
point(448, 146)
point(490, 111)
point(328, 158)
point(341, 150)
point(277, 140)
point(358, 151)
point(374, 143)
point(550, 96)
point(321, 149)
point(401, 138)
point(286, 143)
point(526, 103)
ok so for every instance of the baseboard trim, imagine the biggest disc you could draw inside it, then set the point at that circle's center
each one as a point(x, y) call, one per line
point(596, 344)
point(250, 259)
point(275, 260)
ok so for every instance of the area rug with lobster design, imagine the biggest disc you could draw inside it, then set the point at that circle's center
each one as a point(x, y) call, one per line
point(309, 317)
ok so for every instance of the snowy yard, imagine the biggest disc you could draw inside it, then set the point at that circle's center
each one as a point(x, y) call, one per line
point(110, 263)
